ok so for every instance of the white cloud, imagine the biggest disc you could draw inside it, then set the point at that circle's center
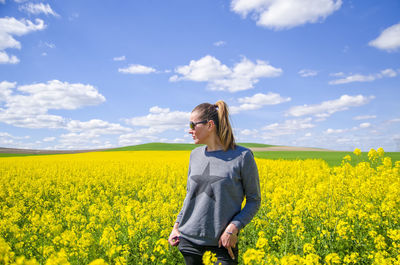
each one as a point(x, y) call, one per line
point(6, 59)
point(121, 58)
point(257, 101)
point(394, 120)
point(3, 1)
point(30, 107)
point(284, 14)
point(327, 108)
point(49, 139)
point(388, 73)
point(5, 90)
point(388, 40)
point(219, 43)
point(137, 69)
point(161, 119)
point(242, 76)
point(353, 78)
point(7, 135)
point(307, 73)
point(339, 74)
point(153, 125)
point(341, 131)
point(365, 78)
point(365, 125)
point(364, 117)
point(10, 27)
point(96, 127)
point(288, 127)
point(37, 9)
point(337, 131)
point(49, 45)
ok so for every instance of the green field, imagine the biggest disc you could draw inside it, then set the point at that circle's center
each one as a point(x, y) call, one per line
point(8, 155)
point(332, 158)
point(173, 147)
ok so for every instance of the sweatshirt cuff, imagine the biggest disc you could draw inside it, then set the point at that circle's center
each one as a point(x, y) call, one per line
point(238, 224)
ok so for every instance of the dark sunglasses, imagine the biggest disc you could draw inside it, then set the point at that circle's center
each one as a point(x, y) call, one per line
point(192, 125)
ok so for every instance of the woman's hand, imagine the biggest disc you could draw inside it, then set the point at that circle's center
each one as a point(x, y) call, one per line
point(229, 239)
point(173, 238)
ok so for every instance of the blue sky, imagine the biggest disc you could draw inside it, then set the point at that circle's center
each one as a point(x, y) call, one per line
point(96, 74)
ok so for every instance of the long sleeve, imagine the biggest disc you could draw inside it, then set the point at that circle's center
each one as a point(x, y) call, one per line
point(179, 217)
point(251, 187)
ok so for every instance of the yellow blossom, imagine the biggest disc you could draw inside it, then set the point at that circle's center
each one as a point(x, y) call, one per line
point(209, 258)
point(357, 152)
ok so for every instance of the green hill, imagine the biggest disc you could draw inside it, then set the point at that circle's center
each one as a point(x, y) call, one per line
point(172, 147)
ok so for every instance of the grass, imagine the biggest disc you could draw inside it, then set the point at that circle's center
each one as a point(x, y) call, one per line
point(332, 158)
point(173, 147)
point(9, 155)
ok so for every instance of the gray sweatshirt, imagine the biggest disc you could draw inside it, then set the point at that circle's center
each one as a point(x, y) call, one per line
point(217, 183)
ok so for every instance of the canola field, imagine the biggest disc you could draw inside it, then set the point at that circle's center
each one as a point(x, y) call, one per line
point(119, 208)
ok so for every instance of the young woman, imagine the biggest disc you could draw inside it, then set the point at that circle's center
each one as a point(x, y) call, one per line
point(220, 175)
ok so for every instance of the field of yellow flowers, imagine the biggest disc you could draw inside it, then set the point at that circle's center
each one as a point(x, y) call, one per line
point(118, 208)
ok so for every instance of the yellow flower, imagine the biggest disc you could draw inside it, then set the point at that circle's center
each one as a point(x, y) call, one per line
point(352, 258)
point(372, 155)
point(98, 262)
point(347, 158)
point(381, 152)
point(253, 255)
point(209, 258)
point(308, 248)
point(261, 243)
point(332, 258)
point(357, 152)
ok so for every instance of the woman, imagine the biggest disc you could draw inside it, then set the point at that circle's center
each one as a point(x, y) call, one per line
point(220, 175)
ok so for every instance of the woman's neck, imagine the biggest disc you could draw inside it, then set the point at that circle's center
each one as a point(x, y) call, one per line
point(214, 145)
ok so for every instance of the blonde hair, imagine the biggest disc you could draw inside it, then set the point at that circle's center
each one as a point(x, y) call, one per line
point(218, 113)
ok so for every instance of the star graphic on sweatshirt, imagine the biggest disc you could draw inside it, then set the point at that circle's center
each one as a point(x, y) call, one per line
point(204, 182)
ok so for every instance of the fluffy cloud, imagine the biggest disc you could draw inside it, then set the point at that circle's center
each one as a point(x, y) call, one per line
point(7, 59)
point(10, 27)
point(364, 78)
point(137, 69)
point(363, 125)
point(161, 119)
point(257, 101)
point(37, 9)
point(288, 127)
point(241, 76)
point(7, 139)
point(327, 108)
point(149, 127)
point(81, 141)
point(307, 73)
point(284, 14)
point(29, 108)
point(388, 40)
point(364, 117)
point(96, 127)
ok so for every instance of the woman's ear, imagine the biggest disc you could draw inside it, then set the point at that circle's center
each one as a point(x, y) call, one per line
point(211, 124)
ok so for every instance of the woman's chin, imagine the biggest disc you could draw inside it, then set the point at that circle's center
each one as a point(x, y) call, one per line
point(196, 141)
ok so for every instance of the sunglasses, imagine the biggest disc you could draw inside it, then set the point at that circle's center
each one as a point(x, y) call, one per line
point(192, 125)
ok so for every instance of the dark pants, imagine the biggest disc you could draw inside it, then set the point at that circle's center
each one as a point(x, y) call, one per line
point(193, 253)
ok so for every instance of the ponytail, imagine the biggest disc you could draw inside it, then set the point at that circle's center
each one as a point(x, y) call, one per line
point(220, 115)
point(225, 132)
